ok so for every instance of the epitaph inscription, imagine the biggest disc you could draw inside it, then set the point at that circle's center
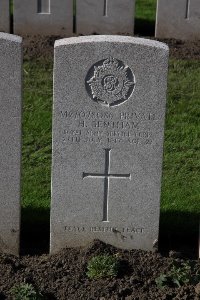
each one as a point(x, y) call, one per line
point(110, 82)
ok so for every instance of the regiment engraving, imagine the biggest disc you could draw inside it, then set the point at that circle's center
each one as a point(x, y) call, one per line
point(109, 82)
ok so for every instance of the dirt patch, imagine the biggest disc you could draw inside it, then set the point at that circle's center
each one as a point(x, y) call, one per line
point(183, 49)
point(42, 47)
point(63, 276)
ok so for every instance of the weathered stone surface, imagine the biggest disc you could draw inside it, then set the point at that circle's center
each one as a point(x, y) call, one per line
point(179, 19)
point(43, 17)
point(105, 16)
point(108, 126)
point(4, 16)
point(10, 137)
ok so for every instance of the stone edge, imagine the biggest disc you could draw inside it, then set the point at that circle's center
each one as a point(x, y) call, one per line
point(111, 39)
point(10, 37)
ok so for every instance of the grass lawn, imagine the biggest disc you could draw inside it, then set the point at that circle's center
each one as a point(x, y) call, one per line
point(180, 201)
point(36, 151)
point(145, 9)
point(180, 205)
point(145, 15)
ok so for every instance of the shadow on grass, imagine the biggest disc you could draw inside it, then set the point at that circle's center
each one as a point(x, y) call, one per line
point(35, 231)
point(178, 231)
point(144, 27)
point(2, 297)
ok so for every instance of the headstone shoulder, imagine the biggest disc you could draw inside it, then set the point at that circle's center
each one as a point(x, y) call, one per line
point(10, 37)
point(111, 39)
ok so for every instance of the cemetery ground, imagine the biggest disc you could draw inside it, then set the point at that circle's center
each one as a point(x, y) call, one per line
point(172, 272)
point(64, 276)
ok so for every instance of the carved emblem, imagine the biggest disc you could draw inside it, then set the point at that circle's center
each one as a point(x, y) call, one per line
point(110, 82)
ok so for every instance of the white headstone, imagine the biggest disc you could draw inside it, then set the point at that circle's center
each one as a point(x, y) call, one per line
point(105, 16)
point(43, 17)
point(179, 19)
point(10, 137)
point(4, 16)
point(108, 127)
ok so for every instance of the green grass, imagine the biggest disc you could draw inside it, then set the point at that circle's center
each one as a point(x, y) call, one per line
point(145, 15)
point(25, 291)
point(180, 274)
point(181, 180)
point(180, 205)
point(145, 9)
point(36, 151)
point(11, 7)
point(102, 266)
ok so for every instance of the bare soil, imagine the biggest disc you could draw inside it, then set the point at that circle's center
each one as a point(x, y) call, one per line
point(63, 276)
point(35, 47)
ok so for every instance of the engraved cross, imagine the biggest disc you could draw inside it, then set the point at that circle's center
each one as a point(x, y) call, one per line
point(187, 14)
point(192, 9)
point(43, 6)
point(105, 8)
point(106, 176)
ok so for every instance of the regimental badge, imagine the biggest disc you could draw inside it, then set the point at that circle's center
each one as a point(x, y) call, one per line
point(109, 82)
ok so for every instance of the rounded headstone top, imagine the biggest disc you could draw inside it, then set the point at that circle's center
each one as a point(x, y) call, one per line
point(10, 37)
point(111, 39)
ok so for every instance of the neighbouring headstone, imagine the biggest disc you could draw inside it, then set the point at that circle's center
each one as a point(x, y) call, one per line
point(108, 127)
point(5, 16)
point(179, 19)
point(10, 137)
point(105, 16)
point(43, 17)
